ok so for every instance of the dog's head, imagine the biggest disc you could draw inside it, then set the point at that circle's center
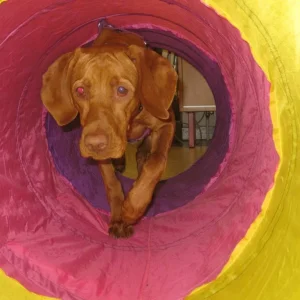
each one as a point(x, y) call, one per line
point(106, 84)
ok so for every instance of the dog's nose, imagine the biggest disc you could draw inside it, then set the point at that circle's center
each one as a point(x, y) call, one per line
point(96, 142)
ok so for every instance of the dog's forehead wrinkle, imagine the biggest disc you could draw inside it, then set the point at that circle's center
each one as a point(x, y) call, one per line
point(101, 72)
point(109, 70)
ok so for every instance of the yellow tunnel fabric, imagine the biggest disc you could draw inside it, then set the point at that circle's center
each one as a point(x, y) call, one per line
point(266, 263)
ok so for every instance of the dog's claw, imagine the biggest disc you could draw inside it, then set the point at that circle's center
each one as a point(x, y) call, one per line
point(120, 230)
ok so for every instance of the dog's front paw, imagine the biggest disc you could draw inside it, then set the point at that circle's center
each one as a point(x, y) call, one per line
point(120, 168)
point(120, 230)
point(119, 164)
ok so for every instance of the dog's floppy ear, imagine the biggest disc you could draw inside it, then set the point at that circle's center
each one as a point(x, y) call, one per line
point(56, 90)
point(157, 80)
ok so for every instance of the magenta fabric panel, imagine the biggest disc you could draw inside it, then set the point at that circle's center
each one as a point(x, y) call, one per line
point(52, 240)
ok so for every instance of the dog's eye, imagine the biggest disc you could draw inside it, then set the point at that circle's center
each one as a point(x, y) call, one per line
point(122, 91)
point(80, 91)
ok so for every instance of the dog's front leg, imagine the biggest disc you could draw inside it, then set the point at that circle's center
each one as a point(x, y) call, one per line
point(115, 197)
point(140, 196)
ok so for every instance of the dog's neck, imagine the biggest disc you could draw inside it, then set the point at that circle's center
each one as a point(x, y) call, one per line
point(110, 36)
point(123, 40)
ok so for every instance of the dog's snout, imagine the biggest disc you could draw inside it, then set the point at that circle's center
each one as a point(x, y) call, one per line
point(95, 143)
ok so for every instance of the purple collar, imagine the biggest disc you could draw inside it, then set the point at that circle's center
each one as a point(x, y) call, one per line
point(145, 134)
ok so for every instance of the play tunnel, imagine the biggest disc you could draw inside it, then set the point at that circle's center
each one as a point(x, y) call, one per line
point(226, 228)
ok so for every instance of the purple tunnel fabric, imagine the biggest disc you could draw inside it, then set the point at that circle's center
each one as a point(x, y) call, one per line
point(84, 174)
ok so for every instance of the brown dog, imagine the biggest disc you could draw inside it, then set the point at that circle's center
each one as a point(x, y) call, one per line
point(121, 89)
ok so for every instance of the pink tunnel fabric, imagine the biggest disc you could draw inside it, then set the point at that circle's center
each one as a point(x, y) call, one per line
point(51, 239)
